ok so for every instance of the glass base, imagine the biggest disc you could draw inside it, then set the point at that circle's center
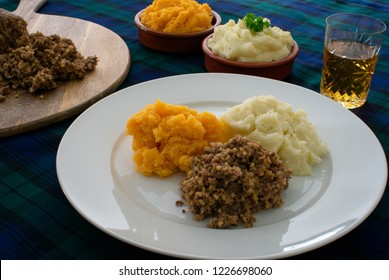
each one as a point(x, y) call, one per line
point(352, 103)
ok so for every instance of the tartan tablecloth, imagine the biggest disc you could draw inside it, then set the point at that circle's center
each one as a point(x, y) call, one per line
point(37, 221)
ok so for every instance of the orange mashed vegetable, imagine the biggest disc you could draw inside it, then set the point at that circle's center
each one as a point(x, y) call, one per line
point(177, 16)
point(166, 136)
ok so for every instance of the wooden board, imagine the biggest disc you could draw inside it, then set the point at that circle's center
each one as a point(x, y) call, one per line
point(23, 111)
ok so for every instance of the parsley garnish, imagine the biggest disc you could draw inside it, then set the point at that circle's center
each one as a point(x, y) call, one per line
point(256, 24)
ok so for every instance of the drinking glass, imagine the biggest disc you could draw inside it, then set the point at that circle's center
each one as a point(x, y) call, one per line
point(352, 44)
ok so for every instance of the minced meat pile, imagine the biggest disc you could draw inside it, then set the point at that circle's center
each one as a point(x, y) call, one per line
point(34, 61)
point(230, 182)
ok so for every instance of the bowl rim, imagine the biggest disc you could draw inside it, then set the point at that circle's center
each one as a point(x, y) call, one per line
point(140, 25)
point(207, 51)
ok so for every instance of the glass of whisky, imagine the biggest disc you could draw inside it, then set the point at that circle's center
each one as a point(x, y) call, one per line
point(352, 44)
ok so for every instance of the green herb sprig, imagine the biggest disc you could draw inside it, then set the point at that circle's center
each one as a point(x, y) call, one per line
point(256, 24)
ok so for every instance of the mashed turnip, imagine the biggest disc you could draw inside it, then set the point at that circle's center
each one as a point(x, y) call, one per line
point(178, 16)
point(166, 136)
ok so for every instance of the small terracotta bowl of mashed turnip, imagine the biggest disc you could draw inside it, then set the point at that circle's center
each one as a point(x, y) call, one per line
point(174, 42)
point(270, 54)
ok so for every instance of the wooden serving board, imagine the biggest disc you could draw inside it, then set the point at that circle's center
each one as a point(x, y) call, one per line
point(23, 111)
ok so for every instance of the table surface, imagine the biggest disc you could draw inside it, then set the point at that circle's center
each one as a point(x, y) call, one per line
point(37, 221)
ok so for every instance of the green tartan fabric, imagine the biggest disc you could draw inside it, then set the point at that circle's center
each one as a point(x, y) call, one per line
point(37, 221)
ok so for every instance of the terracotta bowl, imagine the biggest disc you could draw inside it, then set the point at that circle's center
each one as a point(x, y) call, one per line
point(173, 42)
point(277, 70)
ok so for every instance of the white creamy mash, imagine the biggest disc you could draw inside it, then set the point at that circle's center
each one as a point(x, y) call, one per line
point(236, 42)
point(278, 129)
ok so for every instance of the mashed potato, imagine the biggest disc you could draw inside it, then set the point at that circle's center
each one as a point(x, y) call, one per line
point(166, 136)
point(177, 16)
point(236, 42)
point(273, 123)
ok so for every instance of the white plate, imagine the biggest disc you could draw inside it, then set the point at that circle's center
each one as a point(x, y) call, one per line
point(97, 175)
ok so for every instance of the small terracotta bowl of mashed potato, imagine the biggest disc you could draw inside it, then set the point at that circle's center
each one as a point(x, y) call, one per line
point(235, 48)
point(175, 26)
